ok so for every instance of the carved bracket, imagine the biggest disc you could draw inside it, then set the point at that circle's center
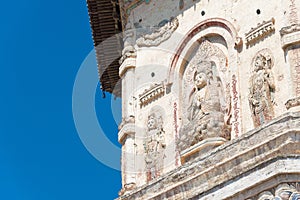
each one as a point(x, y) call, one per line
point(290, 29)
point(127, 64)
point(290, 35)
point(261, 31)
point(153, 93)
point(126, 130)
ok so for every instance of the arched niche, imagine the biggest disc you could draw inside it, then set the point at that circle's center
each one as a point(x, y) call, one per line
point(214, 40)
point(207, 28)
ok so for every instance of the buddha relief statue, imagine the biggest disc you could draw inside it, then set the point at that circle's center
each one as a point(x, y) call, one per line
point(206, 109)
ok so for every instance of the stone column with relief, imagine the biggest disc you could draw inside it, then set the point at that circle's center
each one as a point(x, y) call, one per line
point(127, 126)
point(290, 37)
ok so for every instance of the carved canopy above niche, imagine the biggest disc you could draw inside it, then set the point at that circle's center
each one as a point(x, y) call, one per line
point(151, 94)
point(260, 31)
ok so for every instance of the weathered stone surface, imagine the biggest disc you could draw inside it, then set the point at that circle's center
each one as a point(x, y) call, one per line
point(260, 155)
point(249, 103)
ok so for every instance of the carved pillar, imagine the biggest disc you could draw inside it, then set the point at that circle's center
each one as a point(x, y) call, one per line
point(291, 45)
point(127, 139)
point(290, 37)
point(127, 127)
point(127, 71)
point(127, 74)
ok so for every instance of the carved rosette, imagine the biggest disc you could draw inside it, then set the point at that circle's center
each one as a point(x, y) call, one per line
point(262, 88)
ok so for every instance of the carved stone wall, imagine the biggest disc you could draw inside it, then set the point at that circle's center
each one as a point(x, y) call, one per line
point(240, 169)
point(224, 74)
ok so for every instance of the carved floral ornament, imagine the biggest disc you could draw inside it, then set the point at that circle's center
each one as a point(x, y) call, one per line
point(159, 35)
point(208, 51)
point(262, 30)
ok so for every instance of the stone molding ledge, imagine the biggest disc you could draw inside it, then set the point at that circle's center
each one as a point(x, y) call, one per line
point(201, 146)
point(215, 171)
point(128, 63)
point(271, 184)
point(269, 171)
point(290, 35)
point(126, 130)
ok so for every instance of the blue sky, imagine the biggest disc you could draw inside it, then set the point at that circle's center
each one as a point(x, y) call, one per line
point(42, 45)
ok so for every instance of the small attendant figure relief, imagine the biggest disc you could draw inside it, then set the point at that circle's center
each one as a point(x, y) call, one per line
point(261, 95)
point(154, 145)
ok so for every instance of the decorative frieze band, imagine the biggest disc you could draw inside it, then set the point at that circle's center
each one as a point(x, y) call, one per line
point(261, 31)
point(153, 93)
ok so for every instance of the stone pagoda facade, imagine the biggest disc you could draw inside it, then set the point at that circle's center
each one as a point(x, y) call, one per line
point(210, 96)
